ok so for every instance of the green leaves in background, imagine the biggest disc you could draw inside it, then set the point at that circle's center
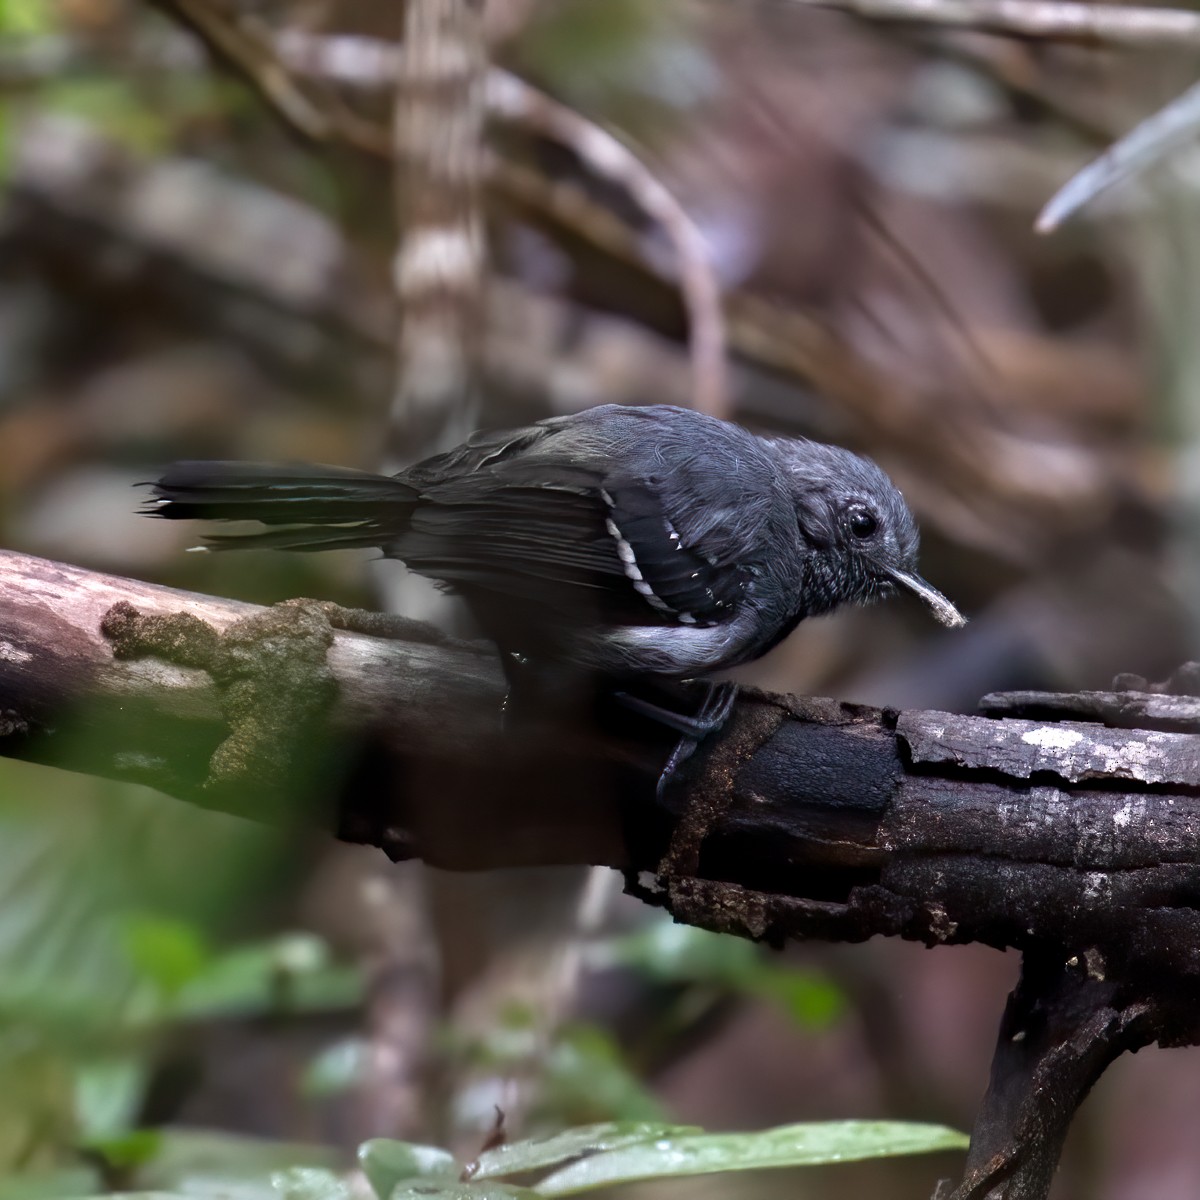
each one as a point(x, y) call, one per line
point(292, 973)
point(583, 1075)
point(671, 953)
point(586, 1076)
point(112, 908)
point(27, 18)
point(202, 1166)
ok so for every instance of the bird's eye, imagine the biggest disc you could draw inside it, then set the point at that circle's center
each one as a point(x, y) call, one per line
point(863, 522)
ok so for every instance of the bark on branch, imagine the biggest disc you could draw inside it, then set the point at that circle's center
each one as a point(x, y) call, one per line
point(836, 820)
point(1076, 841)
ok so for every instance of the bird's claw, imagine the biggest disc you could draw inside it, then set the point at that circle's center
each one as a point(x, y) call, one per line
point(712, 714)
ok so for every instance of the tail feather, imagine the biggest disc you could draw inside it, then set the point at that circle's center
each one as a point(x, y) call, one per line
point(331, 506)
point(305, 537)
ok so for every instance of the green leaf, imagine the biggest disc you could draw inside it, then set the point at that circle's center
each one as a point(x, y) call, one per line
point(786, 1146)
point(533, 1154)
point(213, 1193)
point(133, 1149)
point(683, 954)
point(386, 1163)
point(27, 18)
point(335, 1069)
point(113, 106)
point(209, 1163)
point(108, 1095)
point(166, 951)
point(310, 1183)
point(207, 1190)
point(587, 1078)
point(292, 1183)
point(77, 856)
point(50, 1185)
point(424, 1189)
point(291, 973)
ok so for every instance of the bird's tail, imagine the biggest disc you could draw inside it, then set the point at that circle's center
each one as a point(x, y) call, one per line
point(327, 507)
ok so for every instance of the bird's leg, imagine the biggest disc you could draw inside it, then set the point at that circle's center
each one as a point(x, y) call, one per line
point(708, 718)
point(712, 714)
point(537, 692)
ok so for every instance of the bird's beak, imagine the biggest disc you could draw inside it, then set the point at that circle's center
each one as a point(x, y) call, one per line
point(943, 610)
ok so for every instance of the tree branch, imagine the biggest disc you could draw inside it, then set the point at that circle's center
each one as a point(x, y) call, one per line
point(1075, 842)
point(833, 820)
point(1105, 24)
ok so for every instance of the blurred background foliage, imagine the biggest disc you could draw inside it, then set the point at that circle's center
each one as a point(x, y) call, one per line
point(182, 275)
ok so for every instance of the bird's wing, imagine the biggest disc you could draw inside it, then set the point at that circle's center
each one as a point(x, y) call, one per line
point(575, 538)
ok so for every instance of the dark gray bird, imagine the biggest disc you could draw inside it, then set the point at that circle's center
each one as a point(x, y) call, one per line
point(630, 542)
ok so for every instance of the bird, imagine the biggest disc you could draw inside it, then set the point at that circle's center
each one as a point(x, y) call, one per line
point(651, 543)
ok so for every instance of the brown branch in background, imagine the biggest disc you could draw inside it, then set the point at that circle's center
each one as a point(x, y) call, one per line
point(304, 104)
point(366, 63)
point(967, 476)
point(972, 458)
point(1112, 24)
point(253, 59)
point(515, 100)
point(440, 257)
point(369, 64)
point(973, 492)
point(817, 356)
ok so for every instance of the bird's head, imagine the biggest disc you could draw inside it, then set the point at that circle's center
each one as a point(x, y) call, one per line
point(864, 540)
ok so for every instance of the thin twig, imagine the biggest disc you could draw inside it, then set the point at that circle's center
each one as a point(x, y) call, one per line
point(1119, 25)
point(1145, 144)
point(351, 60)
point(252, 59)
point(249, 52)
point(515, 100)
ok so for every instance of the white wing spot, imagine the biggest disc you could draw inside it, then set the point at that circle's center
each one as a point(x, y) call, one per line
point(632, 571)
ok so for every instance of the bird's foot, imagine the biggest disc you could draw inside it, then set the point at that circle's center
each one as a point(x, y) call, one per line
point(712, 714)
